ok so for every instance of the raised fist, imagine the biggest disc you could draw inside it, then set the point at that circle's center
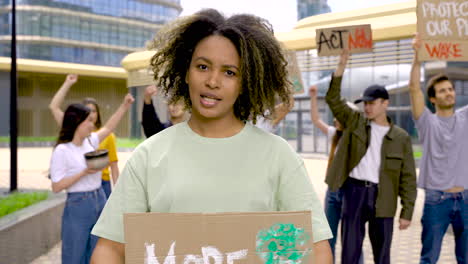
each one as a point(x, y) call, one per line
point(71, 79)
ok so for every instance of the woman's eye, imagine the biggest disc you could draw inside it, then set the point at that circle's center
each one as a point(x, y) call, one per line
point(230, 73)
point(202, 67)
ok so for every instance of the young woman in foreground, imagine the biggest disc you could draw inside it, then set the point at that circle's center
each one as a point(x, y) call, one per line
point(228, 71)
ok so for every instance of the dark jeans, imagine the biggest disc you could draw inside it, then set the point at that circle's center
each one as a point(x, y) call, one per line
point(333, 204)
point(358, 208)
point(106, 186)
point(440, 210)
point(82, 210)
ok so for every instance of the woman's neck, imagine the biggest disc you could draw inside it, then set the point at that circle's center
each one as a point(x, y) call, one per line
point(77, 140)
point(218, 128)
point(176, 120)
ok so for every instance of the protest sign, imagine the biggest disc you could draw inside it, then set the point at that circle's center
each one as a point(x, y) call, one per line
point(443, 29)
point(332, 41)
point(294, 73)
point(218, 238)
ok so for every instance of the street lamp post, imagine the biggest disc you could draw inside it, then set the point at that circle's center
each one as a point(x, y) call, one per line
point(13, 106)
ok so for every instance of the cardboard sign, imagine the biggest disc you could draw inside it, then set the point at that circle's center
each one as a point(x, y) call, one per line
point(294, 73)
point(332, 41)
point(141, 77)
point(219, 238)
point(443, 29)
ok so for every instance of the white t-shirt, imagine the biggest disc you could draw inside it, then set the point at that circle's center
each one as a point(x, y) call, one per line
point(264, 124)
point(68, 160)
point(330, 133)
point(179, 171)
point(369, 166)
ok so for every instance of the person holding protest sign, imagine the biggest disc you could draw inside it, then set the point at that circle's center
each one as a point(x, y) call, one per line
point(149, 118)
point(333, 199)
point(228, 71)
point(444, 162)
point(373, 166)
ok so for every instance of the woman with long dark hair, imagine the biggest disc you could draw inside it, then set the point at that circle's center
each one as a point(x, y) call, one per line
point(109, 143)
point(227, 71)
point(333, 199)
point(68, 170)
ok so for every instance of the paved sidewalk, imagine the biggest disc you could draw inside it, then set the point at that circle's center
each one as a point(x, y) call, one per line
point(406, 245)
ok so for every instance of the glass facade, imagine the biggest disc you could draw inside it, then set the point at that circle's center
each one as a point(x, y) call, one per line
point(99, 32)
point(307, 8)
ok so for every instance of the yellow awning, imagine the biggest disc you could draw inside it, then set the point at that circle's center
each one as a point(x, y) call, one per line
point(137, 60)
point(137, 65)
point(28, 65)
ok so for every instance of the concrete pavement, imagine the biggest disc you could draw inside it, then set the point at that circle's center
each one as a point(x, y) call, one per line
point(33, 164)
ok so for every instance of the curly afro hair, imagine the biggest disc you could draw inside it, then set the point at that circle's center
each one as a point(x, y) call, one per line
point(264, 80)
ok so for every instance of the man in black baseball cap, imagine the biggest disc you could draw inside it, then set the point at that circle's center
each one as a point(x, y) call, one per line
point(373, 92)
point(373, 167)
point(375, 100)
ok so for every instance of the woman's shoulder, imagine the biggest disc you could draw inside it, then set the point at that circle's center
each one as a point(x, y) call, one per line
point(264, 137)
point(155, 147)
point(160, 140)
point(60, 148)
point(111, 136)
point(166, 133)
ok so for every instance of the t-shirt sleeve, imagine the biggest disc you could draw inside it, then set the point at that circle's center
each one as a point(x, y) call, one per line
point(94, 138)
point(112, 148)
point(58, 164)
point(296, 193)
point(423, 123)
point(464, 111)
point(129, 196)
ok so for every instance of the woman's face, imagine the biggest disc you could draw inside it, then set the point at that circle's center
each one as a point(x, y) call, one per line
point(214, 79)
point(93, 113)
point(176, 110)
point(85, 128)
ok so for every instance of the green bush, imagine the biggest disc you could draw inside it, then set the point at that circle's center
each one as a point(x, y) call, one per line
point(121, 142)
point(129, 142)
point(19, 200)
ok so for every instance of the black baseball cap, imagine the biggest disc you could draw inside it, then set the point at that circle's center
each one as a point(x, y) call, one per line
point(373, 92)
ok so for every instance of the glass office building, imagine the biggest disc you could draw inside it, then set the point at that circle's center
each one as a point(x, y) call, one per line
point(307, 8)
point(97, 32)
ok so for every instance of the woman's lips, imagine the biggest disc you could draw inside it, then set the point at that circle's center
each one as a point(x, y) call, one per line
point(209, 100)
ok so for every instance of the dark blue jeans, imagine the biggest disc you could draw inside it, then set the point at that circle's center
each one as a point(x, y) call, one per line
point(440, 210)
point(82, 210)
point(106, 186)
point(358, 209)
point(333, 205)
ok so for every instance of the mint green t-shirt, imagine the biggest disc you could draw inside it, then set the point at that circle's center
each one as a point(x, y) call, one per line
point(179, 171)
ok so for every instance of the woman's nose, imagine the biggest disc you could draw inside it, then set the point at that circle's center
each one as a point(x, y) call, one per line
point(213, 80)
